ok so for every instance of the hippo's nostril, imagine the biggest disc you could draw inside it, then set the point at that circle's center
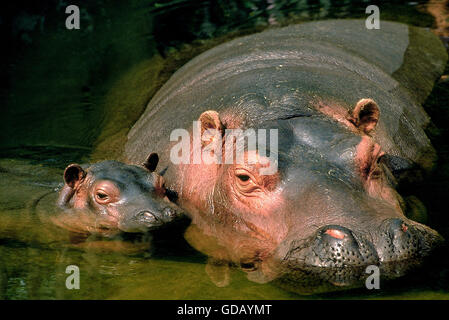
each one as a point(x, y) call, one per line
point(396, 224)
point(400, 242)
point(337, 246)
point(148, 217)
point(333, 246)
point(169, 213)
point(404, 227)
point(335, 233)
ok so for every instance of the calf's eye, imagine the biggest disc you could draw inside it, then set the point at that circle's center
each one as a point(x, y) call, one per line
point(105, 192)
point(101, 196)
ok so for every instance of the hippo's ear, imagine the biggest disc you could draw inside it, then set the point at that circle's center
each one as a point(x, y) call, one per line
point(365, 115)
point(210, 120)
point(73, 175)
point(151, 162)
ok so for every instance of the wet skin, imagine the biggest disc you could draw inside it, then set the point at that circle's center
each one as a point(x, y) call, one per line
point(347, 130)
point(110, 197)
point(333, 180)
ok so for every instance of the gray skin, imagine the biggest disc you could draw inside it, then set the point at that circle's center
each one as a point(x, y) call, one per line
point(281, 79)
point(110, 197)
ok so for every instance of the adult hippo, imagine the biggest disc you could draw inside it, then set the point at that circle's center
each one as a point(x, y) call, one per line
point(321, 204)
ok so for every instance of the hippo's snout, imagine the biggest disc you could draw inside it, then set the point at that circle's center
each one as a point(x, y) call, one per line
point(337, 246)
point(401, 240)
point(397, 243)
point(170, 213)
point(148, 218)
point(334, 246)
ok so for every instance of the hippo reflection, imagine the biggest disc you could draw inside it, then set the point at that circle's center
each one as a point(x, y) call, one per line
point(346, 128)
point(110, 197)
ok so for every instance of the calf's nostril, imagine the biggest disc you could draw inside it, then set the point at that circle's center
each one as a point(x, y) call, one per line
point(148, 217)
point(169, 212)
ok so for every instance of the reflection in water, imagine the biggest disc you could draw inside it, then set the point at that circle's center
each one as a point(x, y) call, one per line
point(299, 277)
point(34, 253)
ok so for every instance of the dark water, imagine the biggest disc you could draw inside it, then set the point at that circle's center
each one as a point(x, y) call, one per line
point(71, 96)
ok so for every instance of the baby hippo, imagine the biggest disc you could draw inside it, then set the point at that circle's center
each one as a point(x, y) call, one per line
point(110, 197)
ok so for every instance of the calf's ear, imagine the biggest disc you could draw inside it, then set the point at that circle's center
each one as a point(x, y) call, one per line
point(210, 120)
point(73, 175)
point(151, 162)
point(151, 165)
point(365, 115)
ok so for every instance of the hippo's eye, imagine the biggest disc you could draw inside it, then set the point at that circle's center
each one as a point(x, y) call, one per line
point(243, 177)
point(105, 192)
point(245, 181)
point(101, 196)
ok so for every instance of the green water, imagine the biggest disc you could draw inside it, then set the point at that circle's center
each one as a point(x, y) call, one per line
point(71, 96)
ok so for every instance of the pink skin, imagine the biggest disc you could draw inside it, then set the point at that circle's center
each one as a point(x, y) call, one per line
point(368, 157)
point(103, 195)
point(246, 212)
point(362, 120)
point(240, 189)
point(93, 203)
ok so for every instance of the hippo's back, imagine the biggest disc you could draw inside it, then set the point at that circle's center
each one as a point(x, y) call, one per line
point(289, 71)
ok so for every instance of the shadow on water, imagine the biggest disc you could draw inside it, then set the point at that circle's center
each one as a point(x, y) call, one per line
point(73, 96)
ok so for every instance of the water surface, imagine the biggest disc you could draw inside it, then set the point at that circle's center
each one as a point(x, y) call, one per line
point(73, 96)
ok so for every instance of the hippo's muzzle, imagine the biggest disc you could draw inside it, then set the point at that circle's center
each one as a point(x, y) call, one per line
point(148, 219)
point(340, 255)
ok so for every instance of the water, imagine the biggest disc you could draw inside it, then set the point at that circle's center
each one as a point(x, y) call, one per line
point(63, 93)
